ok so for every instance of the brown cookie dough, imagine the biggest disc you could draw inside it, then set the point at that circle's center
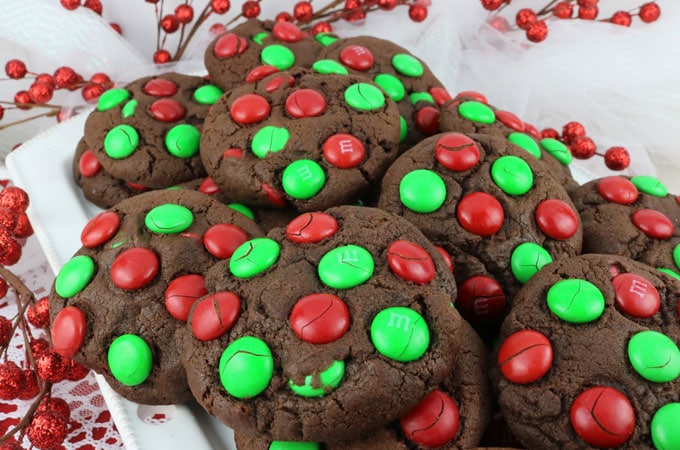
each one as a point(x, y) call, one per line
point(148, 132)
point(634, 217)
point(588, 357)
point(335, 310)
point(494, 208)
point(301, 140)
point(257, 48)
point(469, 112)
point(453, 416)
point(131, 286)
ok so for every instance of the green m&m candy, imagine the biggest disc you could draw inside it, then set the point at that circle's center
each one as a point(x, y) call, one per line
point(407, 65)
point(422, 191)
point(392, 86)
point(243, 209)
point(326, 66)
point(403, 129)
point(208, 94)
point(269, 139)
point(664, 427)
point(259, 37)
point(321, 384)
point(121, 141)
point(400, 334)
point(325, 39)
point(246, 367)
point(654, 356)
point(292, 445)
point(527, 259)
point(669, 272)
point(130, 359)
point(183, 140)
point(169, 219)
point(416, 97)
point(676, 256)
point(364, 97)
point(575, 300)
point(129, 108)
point(303, 179)
point(346, 267)
point(477, 112)
point(278, 56)
point(112, 98)
point(650, 185)
point(558, 150)
point(512, 174)
point(254, 257)
point(74, 276)
point(526, 142)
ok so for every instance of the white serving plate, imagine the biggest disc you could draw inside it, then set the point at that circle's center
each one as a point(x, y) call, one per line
point(58, 211)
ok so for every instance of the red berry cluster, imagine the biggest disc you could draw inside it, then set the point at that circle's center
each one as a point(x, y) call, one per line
point(534, 22)
point(14, 224)
point(582, 147)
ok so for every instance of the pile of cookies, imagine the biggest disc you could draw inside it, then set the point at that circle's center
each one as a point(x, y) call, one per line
point(326, 250)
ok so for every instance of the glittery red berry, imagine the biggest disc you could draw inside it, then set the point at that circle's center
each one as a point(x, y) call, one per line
point(588, 12)
point(387, 5)
point(75, 371)
point(184, 13)
point(39, 314)
point(12, 380)
point(70, 4)
point(5, 325)
point(622, 18)
point(92, 91)
point(31, 386)
point(39, 346)
point(217, 28)
point(47, 79)
point(23, 228)
point(587, 3)
point(170, 23)
point(10, 250)
point(571, 131)
point(284, 17)
point(161, 56)
point(352, 4)
point(537, 31)
point(116, 28)
point(49, 366)
point(550, 133)
point(8, 219)
point(250, 9)
point(55, 405)
point(417, 12)
point(47, 430)
point(583, 147)
point(2, 112)
point(14, 198)
point(322, 27)
point(220, 6)
point(649, 12)
point(617, 158)
point(11, 444)
point(65, 77)
point(94, 5)
point(563, 10)
point(355, 15)
point(23, 100)
point(303, 11)
point(525, 17)
point(15, 69)
point(492, 5)
point(100, 78)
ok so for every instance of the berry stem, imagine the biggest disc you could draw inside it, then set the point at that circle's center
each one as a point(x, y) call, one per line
point(26, 419)
point(21, 292)
point(51, 113)
point(201, 19)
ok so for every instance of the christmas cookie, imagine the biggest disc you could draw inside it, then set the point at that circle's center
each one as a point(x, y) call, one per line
point(99, 186)
point(453, 416)
point(331, 327)
point(634, 217)
point(301, 140)
point(116, 305)
point(148, 132)
point(255, 49)
point(588, 357)
point(494, 208)
point(404, 77)
point(469, 112)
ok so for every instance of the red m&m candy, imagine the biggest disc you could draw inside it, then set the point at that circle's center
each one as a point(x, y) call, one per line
point(603, 417)
point(249, 108)
point(305, 103)
point(309, 228)
point(222, 239)
point(525, 356)
point(510, 120)
point(182, 293)
point(215, 315)
point(320, 318)
point(208, 186)
point(344, 150)
point(68, 331)
point(480, 213)
point(480, 299)
point(456, 151)
point(357, 57)
point(278, 81)
point(433, 422)
point(260, 72)
point(229, 45)
point(556, 219)
point(427, 120)
point(99, 229)
point(654, 224)
point(410, 262)
point(160, 87)
point(167, 110)
point(88, 165)
point(636, 296)
point(440, 95)
point(134, 268)
point(617, 190)
point(287, 32)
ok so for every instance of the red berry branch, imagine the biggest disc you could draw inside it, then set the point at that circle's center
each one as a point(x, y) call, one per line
point(535, 22)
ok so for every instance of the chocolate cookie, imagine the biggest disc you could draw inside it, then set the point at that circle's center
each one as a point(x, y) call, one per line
point(336, 325)
point(99, 186)
point(589, 358)
point(634, 217)
point(255, 49)
point(403, 76)
point(494, 208)
point(148, 132)
point(453, 416)
point(300, 139)
point(116, 305)
point(469, 112)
